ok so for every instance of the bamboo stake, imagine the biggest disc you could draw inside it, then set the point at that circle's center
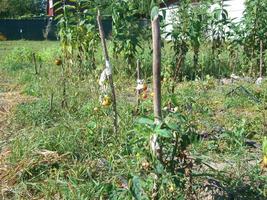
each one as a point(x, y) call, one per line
point(106, 56)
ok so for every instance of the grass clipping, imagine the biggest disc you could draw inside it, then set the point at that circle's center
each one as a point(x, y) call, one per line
point(10, 175)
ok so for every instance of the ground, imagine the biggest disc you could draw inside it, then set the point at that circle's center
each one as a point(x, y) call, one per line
point(52, 153)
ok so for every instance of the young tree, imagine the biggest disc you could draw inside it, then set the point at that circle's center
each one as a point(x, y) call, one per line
point(255, 40)
point(126, 31)
point(220, 27)
point(190, 23)
point(180, 37)
point(197, 30)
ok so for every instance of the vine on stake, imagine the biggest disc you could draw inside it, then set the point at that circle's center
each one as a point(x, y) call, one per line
point(141, 88)
point(138, 76)
point(107, 74)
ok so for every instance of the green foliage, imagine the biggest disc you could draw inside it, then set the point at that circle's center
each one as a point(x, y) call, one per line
point(78, 34)
point(36, 114)
point(220, 25)
point(18, 8)
point(19, 58)
point(71, 153)
point(196, 28)
point(60, 149)
point(264, 146)
point(254, 31)
point(126, 32)
point(237, 136)
point(254, 22)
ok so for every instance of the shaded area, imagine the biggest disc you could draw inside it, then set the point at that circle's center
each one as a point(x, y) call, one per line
point(37, 29)
point(28, 29)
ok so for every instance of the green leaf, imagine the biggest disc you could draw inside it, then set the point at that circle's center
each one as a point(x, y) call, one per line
point(164, 133)
point(159, 168)
point(264, 145)
point(57, 3)
point(59, 16)
point(172, 125)
point(146, 121)
point(91, 125)
point(136, 187)
point(70, 7)
point(154, 12)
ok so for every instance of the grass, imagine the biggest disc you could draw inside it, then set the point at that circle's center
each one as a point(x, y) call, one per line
point(72, 153)
point(7, 46)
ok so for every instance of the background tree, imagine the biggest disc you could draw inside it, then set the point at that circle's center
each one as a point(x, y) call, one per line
point(220, 29)
point(197, 31)
point(4, 7)
point(126, 31)
point(180, 36)
point(255, 40)
point(18, 8)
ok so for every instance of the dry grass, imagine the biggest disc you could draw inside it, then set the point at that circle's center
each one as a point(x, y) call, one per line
point(10, 174)
point(8, 101)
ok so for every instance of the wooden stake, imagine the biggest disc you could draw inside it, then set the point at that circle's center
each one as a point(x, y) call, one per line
point(156, 68)
point(156, 84)
point(105, 52)
point(51, 101)
point(261, 58)
point(138, 76)
point(64, 103)
point(35, 63)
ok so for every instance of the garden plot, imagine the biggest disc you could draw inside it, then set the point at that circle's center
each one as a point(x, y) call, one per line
point(219, 128)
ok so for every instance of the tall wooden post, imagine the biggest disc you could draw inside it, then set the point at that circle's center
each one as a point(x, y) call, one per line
point(156, 68)
point(156, 83)
point(107, 60)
